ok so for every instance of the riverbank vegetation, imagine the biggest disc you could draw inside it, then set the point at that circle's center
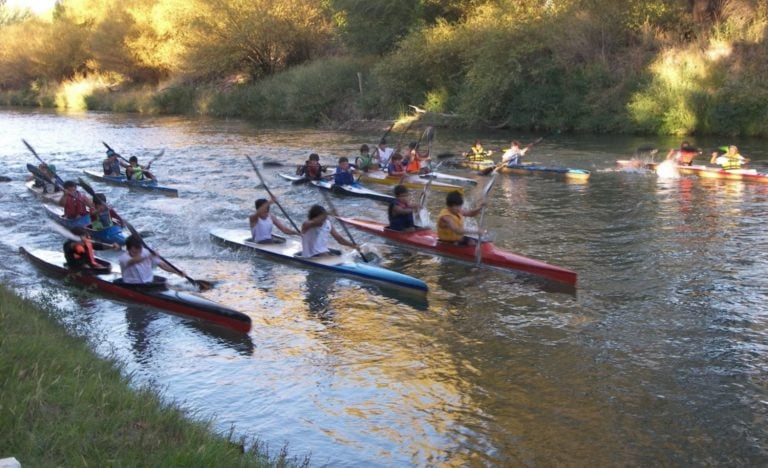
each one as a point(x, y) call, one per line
point(63, 406)
point(636, 66)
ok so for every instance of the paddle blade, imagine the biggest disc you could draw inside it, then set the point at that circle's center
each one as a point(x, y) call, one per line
point(61, 230)
point(488, 170)
point(87, 187)
point(203, 285)
point(424, 217)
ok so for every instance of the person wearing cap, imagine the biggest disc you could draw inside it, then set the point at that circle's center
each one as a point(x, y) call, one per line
point(729, 161)
point(315, 231)
point(382, 153)
point(112, 164)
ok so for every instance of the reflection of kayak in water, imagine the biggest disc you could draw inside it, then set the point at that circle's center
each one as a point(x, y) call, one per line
point(155, 294)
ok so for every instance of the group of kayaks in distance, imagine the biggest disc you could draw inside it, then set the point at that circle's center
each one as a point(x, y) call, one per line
point(726, 163)
point(91, 223)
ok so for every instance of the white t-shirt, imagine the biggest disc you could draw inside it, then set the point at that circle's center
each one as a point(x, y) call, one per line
point(262, 230)
point(315, 241)
point(138, 273)
point(385, 155)
point(512, 155)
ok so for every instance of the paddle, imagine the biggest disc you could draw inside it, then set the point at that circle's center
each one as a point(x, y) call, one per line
point(478, 247)
point(344, 226)
point(423, 211)
point(496, 168)
point(59, 181)
point(87, 187)
point(285, 213)
point(157, 156)
point(203, 285)
point(39, 174)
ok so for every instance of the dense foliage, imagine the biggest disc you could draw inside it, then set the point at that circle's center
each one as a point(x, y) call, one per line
point(646, 66)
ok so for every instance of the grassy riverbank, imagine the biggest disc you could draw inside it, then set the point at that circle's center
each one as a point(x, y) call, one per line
point(63, 406)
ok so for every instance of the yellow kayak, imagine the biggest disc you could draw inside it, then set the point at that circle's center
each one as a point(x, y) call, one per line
point(411, 181)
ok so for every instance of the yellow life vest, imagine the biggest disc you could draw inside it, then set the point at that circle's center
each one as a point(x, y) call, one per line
point(733, 161)
point(446, 234)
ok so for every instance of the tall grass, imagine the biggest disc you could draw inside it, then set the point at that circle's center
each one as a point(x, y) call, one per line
point(62, 406)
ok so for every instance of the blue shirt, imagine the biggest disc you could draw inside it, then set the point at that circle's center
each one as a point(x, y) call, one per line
point(343, 177)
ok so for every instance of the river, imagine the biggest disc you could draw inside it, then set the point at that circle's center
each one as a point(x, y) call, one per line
point(658, 358)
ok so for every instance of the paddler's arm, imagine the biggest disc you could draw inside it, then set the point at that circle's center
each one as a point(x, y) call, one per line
point(287, 230)
point(340, 239)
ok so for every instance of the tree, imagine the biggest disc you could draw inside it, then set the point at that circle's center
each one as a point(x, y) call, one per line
point(255, 37)
point(376, 26)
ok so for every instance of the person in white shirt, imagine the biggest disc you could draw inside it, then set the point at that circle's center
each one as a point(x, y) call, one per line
point(382, 153)
point(262, 221)
point(513, 154)
point(136, 263)
point(315, 232)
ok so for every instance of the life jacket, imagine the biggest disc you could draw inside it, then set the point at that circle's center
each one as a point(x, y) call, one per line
point(79, 254)
point(476, 155)
point(399, 222)
point(414, 165)
point(135, 173)
point(313, 171)
point(75, 206)
point(444, 233)
point(101, 220)
point(732, 162)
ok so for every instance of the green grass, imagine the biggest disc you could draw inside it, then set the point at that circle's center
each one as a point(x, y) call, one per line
point(60, 405)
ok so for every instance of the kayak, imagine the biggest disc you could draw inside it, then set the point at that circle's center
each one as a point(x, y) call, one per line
point(355, 190)
point(290, 250)
point(569, 174)
point(705, 172)
point(448, 178)
point(426, 240)
point(410, 181)
point(57, 214)
point(45, 193)
point(109, 235)
point(157, 295)
point(149, 185)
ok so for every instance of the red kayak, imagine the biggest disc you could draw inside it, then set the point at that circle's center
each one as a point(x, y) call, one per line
point(156, 295)
point(426, 240)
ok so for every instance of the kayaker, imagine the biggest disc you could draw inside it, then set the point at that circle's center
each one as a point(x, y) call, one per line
point(477, 153)
point(685, 155)
point(262, 221)
point(416, 161)
point(48, 170)
point(344, 173)
point(102, 215)
point(512, 156)
point(366, 162)
point(383, 154)
point(730, 160)
point(395, 167)
point(75, 203)
point(450, 221)
point(401, 211)
point(79, 253)
point(134, 171)
point(136, 263)
point(112, 164)
point(315, 231)
point(311, 169)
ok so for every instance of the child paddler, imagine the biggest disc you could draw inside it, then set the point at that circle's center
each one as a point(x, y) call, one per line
point(75, 203)
point(102, 216)
point(79, 253)
point(315, 232)
point(136, 263)
point(135, 171)
point(450, 222)
point(262, 222)
point(401, 211)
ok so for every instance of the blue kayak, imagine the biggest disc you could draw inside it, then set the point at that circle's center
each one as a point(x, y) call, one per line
point(148, 185)
point(290, 250)
point(112, 234)
point(57, 214)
